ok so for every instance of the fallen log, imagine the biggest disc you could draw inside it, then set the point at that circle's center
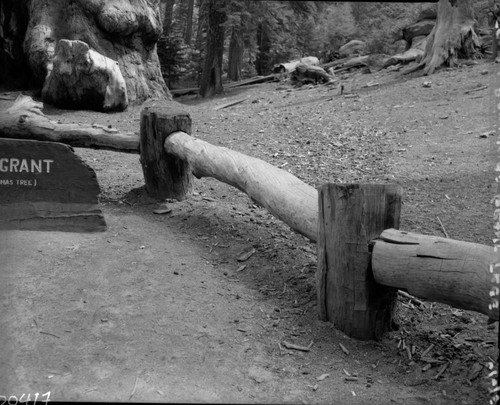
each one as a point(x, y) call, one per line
point(438, 269)
point(311, 74)
point(358, 61)
point(284, 195)
point(231, 103)
point(335, 63)
point(26, 120)
point(246, 82)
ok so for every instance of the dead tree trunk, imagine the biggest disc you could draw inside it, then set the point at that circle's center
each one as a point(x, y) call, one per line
point(25, 120)
point(453, 36)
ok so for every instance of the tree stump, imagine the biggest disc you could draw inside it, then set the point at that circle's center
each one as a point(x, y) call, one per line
point(166, 175)
point(350, 216)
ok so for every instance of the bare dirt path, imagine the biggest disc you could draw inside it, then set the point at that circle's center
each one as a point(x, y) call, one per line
point(158, 308)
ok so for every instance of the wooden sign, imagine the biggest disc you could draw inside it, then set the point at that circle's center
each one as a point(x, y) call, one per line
point(45, 186)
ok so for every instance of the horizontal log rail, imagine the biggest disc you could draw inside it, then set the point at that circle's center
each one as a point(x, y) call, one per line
point(280, 192)
point(26, 120)
point(438, 269)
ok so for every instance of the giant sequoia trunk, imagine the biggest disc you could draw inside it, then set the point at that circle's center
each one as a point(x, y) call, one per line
point(123, 30)
point(13, 22)
point(211, 79)
point(453, 36)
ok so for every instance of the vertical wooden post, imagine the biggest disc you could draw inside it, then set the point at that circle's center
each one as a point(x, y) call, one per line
point(350, 216)
point(166, 176)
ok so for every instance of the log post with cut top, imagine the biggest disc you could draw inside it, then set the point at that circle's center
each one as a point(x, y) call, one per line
point(166, 175)
point(350, 216)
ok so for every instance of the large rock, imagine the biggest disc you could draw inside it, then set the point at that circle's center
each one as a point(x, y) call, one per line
point(399, 46)
point(81, 78)
point(428, 13)
point(353, 47)
point(124, 30)
point(418, 29)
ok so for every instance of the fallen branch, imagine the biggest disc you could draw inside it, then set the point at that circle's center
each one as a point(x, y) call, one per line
point(476, 89)
point(444, 230)
point(50, 334)
point(411, 298)
point(135, 386)
point(25, 120)
point(246, 82)
point(230, 104)
point(297, 347)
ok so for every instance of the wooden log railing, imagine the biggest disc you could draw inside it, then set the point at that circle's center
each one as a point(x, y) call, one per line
point(356, 286)
point(25, 120)
point(361, 260)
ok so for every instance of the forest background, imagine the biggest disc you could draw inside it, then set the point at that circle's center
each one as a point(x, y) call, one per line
point(260, 34)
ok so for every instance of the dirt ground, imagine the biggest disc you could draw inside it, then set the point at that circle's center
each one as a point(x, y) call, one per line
point(158, 308)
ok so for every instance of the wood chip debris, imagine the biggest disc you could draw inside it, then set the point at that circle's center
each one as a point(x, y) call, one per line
point(50, 334)
point(414, 300)
point(351, 378)
point(442, 226)
point(162, 211)
point(135, 386)
point(476, 89)
point(475, 371)
point(426, 351)
point(241, 268)
point(289, 345)
point(487, 134)
point(322, 377)
point(343, 348)
point(441, 371)
point(246, 254)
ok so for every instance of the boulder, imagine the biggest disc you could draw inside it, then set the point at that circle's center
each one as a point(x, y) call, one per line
point(81, 78)
point(399, 46)
point(310, 60)
point(428, 13)
point(418, 29)
point(354, 47)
